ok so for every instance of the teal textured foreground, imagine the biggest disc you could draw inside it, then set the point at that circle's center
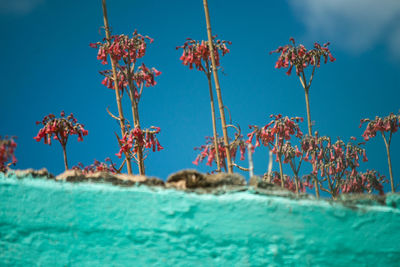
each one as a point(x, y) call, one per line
point(48, 223)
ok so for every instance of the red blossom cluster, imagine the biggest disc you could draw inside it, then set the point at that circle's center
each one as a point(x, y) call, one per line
point(97, 166)
point(208, 151)
point(60, 129)
point(279, 129)
point(386, 124)
point(142, 76)
point(299, 57)
point(7, 150)
point(364, 182)
point(198, 53)
point(121, 47)
point(137, 139)
point(127, 50)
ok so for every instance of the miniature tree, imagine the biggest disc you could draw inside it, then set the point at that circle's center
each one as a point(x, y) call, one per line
point(60, 129)
point(198, 53)
point(7, 153)
point(274, 135)
point(388, 124)
point(300, 58)
point(337, 165)
point(125, 51)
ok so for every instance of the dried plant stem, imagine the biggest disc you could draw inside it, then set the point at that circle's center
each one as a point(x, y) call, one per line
point(308, 112)
point(281, 171)
point(116, 89)
point(218, 88)
point(213, 120)
point(270, 162)
point(295, 172)
point(65, 156)
point(250, 158)
point(387, 144)
point(136, 121)
point(306, 90)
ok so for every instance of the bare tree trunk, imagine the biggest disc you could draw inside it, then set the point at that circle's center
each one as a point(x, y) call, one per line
point(389, 161)
point(214, 122)
point(310, 132)
point(116, 89)
point(65, 157)
point(218, 89)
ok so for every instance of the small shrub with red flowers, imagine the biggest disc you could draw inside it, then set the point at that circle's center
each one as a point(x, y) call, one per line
point(274, 134)
point(337, 165)
point(293, 185)
point(60, 129)
point(7, 153)
point(97, 166)
point(387, 126)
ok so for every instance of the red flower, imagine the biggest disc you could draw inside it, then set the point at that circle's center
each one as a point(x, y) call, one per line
point(157, 73)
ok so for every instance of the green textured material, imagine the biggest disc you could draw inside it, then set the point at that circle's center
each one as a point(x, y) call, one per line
point(48, 223)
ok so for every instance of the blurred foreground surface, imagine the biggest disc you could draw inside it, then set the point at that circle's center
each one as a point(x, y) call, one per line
point(49, 223)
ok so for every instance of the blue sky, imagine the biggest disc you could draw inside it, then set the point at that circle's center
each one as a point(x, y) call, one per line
point(48, 66)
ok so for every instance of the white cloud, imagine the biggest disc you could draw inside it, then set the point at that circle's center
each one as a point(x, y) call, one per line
point(18, 7)
point(355, 25)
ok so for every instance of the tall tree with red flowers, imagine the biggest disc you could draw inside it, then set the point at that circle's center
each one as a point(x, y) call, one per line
point(387, 126)
point(197, 53)
point(213, 53)
point(103, 57)
point(126, 75)
point(60, 129)
point(300, 58)
point(7, 153)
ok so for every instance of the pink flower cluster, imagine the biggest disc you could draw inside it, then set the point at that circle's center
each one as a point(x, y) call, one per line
point(7, 150)
point(208, 151)
point(364, 182)
point(390, 124)
point(60, 129)
point(138, 138)
point(198, 53)
point(97, 166)
point(143, 75)
point(127, 50)
point(300, 57)
point(121, 47)
point(280, 128)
